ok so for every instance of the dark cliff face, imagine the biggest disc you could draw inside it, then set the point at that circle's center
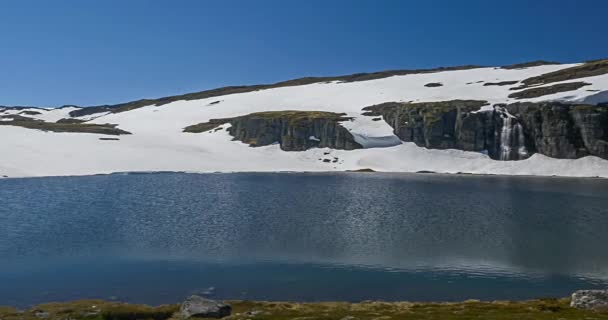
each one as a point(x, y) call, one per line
point(293, 130)
point(440, 125)
point(509, 132)
point(564, 130)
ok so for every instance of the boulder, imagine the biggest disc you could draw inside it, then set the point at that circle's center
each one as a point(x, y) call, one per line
point(199, 307)
point(590, 299)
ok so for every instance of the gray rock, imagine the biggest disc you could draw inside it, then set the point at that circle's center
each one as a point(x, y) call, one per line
point(562, 130)
point(554, 129)
point(199, 307)
point(439, 125)
point(590, 299)
point(292, 130)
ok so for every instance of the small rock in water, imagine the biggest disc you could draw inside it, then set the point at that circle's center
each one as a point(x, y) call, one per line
point(590, 299)
point(197, 306)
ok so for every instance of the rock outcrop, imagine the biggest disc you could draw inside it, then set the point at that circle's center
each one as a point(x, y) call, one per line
point(199, 307)
point(293, 130)
point(536, 92)
point(590, 299)
point(564, 131)
point(440, 125)
point(509, 132)
point(588, 69)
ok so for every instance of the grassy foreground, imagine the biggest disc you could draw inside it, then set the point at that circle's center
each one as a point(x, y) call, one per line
point(103, 310)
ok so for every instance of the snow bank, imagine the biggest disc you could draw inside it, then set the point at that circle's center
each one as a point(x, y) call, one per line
point(158, 143)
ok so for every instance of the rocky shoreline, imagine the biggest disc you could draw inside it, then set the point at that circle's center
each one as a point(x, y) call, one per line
point(583, 304)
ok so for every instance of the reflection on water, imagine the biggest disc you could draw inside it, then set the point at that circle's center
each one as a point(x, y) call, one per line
point(301, 236)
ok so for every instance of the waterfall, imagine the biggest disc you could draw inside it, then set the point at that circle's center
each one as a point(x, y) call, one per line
point(505, 138)
point(512, 140)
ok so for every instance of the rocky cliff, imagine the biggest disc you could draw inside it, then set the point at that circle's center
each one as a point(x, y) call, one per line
point(563, 130)
point(293, 130)
point(509, 132)
point(441, 125)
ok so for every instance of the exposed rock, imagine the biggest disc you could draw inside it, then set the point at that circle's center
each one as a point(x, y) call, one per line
point(562, 130)
point(433, 85)
point(107, 129)
point(510, 132)
point(501, 83)
point(543, 91)
point(199, 307)
point(529, 64)
point(30, 113)
point(590, 299)
point(242, 89)
point(362, 170)
point(293, 130)
point(589, 69)
point(439, 125)
point(206, 126)
point(70, 120)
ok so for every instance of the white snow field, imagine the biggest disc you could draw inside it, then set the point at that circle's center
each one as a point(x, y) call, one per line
point(157, 142)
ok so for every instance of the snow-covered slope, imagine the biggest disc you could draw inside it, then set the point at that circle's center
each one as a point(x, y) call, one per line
point(158, 143)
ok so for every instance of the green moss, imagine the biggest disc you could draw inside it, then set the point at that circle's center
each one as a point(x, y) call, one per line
point(295, 118)
point(90, 310)
point(589, 107)
point(498, 310)
point(109, 129)
point(8, 311)
point(135, 312)
point(298, 117)
point(536, 309)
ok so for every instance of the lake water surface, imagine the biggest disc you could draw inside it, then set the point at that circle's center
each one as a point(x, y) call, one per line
point(156, 238)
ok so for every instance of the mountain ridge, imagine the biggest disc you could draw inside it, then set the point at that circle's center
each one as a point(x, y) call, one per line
point(536, 118)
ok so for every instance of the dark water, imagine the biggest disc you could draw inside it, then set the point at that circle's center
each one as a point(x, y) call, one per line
point(156, 238)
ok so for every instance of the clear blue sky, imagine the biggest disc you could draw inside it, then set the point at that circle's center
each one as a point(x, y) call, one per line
point(95, 52)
